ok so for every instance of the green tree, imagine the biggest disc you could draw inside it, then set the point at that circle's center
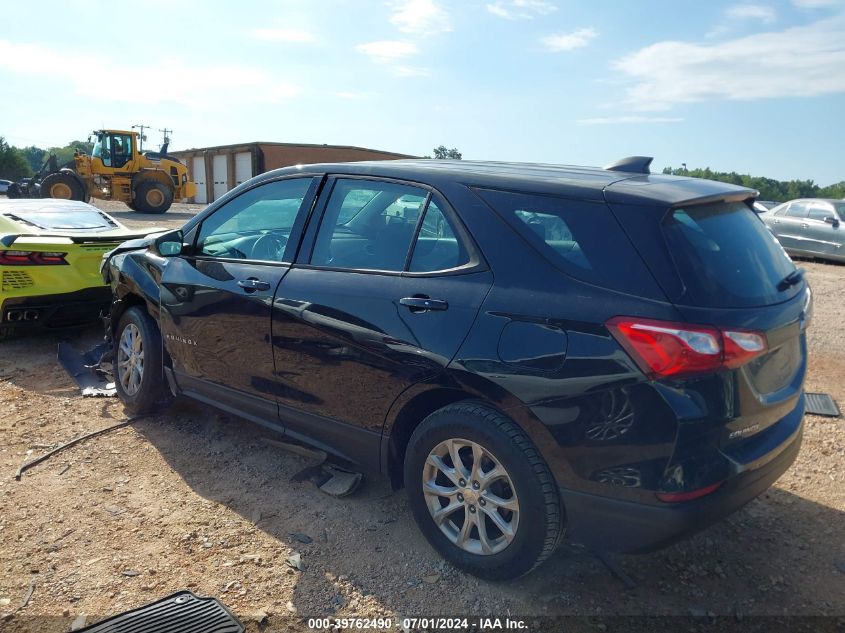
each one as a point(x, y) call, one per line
point(13, 163)
point(770, 189)
point(35, 156)
point(65, 154)
point(442, 153)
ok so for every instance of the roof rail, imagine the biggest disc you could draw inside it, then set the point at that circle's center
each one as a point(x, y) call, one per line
point(634, 164)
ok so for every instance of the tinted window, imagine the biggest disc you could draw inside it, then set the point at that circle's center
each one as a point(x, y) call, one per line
point(437, 246)
point(581, 238)
point(368, 225)
point(726, 257)
point(255, 225)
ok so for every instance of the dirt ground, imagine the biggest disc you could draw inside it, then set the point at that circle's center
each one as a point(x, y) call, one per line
point(193, 498)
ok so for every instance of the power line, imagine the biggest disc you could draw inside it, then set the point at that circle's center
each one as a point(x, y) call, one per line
point(141, 138)
point(166, 134)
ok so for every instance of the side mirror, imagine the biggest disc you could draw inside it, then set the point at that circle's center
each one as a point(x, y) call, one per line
point(168, 244)
point(832, 220)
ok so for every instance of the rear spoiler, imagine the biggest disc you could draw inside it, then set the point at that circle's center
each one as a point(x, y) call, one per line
point(739, 196)
point(9, 240)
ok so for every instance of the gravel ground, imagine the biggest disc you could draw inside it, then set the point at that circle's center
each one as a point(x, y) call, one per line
point(195, 499)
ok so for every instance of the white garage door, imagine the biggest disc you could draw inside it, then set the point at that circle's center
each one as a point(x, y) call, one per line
point(243, 167)
point(220, 170)
point(199, 178)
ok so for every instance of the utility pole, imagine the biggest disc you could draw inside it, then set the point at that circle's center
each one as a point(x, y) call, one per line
point(166, 134)
point(141, 137)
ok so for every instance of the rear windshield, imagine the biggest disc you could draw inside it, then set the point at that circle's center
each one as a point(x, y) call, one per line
point(64, 220)
point(583, 239)
point(726, 257)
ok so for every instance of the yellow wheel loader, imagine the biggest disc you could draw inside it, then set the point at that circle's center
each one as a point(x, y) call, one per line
point(147, 182)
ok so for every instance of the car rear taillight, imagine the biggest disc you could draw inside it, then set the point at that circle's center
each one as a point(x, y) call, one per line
point(666, 349)
point(31, 258)
point(678, 497)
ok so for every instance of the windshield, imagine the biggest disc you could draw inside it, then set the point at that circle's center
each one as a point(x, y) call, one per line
point(726, 257)
point(97, 152)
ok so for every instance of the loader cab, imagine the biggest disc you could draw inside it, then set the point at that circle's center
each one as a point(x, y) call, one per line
point(114, 149)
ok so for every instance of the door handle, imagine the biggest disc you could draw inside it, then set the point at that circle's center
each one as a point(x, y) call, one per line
point(421, 303)
point(805, 225)
point(252, 284)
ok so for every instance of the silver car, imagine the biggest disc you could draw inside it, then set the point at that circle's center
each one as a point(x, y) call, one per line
point(812, 227)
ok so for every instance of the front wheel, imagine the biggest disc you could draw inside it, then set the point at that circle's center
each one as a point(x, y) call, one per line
point(62, 185)
point(138, 362)
point(481, 493)
point(152, 197)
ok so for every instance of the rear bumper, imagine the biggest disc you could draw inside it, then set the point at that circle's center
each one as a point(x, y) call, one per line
point(610, 524)
point(56, 311)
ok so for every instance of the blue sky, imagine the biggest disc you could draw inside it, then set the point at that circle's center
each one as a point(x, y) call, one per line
point(755, 87)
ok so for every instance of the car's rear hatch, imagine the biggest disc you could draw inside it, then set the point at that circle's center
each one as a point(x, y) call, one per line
point(721, 267)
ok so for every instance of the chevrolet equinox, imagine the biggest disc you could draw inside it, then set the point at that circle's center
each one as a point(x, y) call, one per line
point(530, 350)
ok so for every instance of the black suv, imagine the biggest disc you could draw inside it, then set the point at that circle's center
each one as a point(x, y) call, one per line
point(531, 350)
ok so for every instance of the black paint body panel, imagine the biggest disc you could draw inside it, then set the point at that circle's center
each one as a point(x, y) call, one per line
point(334, 358)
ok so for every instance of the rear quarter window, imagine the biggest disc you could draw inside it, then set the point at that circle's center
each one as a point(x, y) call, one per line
point(726, 257)
point(582, 239)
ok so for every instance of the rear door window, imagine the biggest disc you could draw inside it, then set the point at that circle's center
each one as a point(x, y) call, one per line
point(581, 238)
point(726, 257)
point(797, 210)
point(368, 225)
point(437, 246)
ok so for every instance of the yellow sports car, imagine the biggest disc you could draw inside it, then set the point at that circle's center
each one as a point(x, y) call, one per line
point(50, 252)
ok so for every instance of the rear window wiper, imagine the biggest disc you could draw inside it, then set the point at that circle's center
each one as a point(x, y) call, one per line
point(792, 279)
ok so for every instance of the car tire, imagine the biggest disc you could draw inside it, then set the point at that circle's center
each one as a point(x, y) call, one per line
point(152, 197)
point(141, 388)
point(522, 492)
point(62, 185)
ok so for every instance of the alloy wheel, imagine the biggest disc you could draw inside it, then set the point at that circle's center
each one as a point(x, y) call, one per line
point(130, 359)
point(470, 496)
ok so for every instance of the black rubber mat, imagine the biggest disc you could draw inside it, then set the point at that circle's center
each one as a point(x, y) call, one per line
point(182, 612)
point(821, 404)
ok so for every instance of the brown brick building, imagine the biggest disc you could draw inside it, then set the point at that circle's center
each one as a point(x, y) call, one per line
point(216, 170)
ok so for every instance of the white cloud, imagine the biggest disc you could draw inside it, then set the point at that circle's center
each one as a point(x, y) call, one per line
point(387, 51)
point(758, 12)
point(568, 41)
point(799, 61)
point(410, 71)
point(627, 120)
point(816, 4)
point(520, 9)
point(420, 17)
point(245, 84)
point(283, 35)
point(393, 53)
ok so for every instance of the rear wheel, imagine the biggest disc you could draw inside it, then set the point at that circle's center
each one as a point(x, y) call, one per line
point(481, 493)
point(138, 362)
point(152, 197)
point(14, 191)
point(62, 185)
